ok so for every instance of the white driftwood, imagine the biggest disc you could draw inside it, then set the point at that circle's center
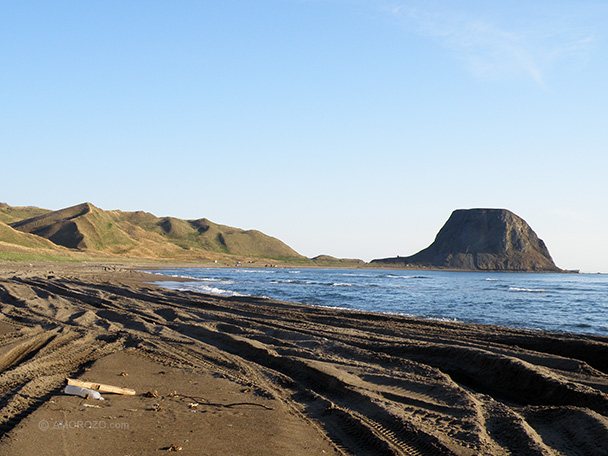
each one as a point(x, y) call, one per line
point(101, 387)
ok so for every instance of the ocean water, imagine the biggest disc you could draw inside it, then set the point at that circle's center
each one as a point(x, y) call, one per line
point(575, 303)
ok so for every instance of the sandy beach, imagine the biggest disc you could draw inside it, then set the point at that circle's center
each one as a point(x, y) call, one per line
point(253, 376)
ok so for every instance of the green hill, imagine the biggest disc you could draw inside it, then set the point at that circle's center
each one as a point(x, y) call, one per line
point(9, 214)
point(10, 235)
point(333, 262)
point(18, 246)
point(87, 228)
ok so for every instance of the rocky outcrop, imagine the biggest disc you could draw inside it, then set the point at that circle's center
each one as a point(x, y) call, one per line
point(482, 239)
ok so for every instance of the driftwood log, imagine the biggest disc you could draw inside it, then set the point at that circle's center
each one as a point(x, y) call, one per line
point(101, 387)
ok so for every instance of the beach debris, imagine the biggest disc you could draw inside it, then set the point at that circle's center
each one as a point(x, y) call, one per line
point(175, 448)
point(123, 374)
point(193, 405)
point(102, 388)
point(91, 405)
point(157, 408)
point(82, 392)
point(151, 393)
point(173, 394)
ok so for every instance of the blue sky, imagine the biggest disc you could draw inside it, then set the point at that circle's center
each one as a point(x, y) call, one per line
point(350, 128)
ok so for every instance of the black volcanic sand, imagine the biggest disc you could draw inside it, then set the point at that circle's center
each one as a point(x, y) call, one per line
point(252, 376)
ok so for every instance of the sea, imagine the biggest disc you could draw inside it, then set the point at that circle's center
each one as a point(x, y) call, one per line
point(573, 303)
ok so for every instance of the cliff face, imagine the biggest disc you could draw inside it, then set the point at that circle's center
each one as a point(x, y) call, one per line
point(483, 239)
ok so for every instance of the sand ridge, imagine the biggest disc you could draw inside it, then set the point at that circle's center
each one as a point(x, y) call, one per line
point(356, 382)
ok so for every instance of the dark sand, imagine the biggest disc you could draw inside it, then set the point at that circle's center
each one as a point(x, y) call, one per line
point(275, 378)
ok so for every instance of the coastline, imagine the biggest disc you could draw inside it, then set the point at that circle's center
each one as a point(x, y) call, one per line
point(521, 301)
point(347, 382)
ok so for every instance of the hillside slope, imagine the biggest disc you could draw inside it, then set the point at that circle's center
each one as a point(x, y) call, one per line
point(9, 235)
point(18, 246)
point(88, 228)
point(206, 235)
point(482, 239)
point(11, 214)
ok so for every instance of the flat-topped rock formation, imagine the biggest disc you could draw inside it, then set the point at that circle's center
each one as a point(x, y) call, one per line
point(482, 239)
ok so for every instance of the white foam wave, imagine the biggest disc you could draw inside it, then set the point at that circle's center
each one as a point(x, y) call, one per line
point(296, 281)
point(172, 274)
point(222, 281)
point(255, 271)
point(527, 290)
point(200, 288)
point(390, 276)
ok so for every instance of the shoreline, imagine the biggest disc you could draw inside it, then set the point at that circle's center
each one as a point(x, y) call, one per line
point(367, 265)
point(228, 291)
point(348, 382)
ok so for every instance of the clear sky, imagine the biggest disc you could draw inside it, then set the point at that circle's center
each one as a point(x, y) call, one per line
point(349, 128)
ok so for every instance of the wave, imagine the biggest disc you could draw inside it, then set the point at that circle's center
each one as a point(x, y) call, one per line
point(201, 288)
point(174, 275)
point(256, 271)
point(390, 276)
point(528, 290)
point(311, 282)
point(218, 291)
point(222, 281)
point(293, 282)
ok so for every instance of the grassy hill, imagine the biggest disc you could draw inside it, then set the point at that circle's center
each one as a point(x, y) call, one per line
point(18, 246)
point(86, 228)
point(333, 262)
point(9, 214)
point(206, 235)
point(10, 235)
